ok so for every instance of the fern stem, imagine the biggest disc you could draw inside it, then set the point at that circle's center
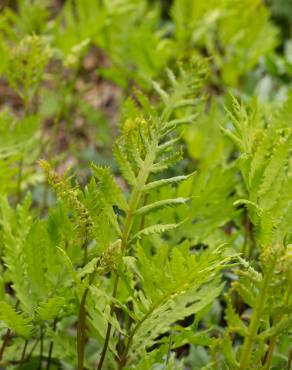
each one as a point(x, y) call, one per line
point(109, 326)
point(24, 350)
point(32, 349)
point(49, 143)
point(51, 346)
point(22, 359)
point(41, 349)
point(255, 322)
point(85, 250)
point(4, 343)
point(81, 325)
point(270, 353)
point(142, 223)
point(81, 330)
point(289, 364)
point(19, 180)
point(246, 250)
point(273, 340)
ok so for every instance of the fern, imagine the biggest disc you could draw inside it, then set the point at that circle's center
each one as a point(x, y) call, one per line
point(16, 322)
point(270, 167)
point(227, 26)
point(181, 288)
point(24, 65)
point(172, 249)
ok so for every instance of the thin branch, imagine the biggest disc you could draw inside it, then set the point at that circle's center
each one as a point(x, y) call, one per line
point(24, 350)
point(109, 327)
point(4, 343)
point(41, 349)
point(81, 324)
point(51, 346)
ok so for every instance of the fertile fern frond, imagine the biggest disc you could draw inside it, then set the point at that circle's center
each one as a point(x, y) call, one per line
point(25, 65)
point(70, 195)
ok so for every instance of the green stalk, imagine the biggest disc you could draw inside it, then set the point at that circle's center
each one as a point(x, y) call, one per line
point(255, 322)
point(81, 330)
point(21, 161)
point(4, 343)
point(289, 365)
point(273, 340)
point(22, 360)
point(246, 249)
point(41, 349)
point(269, 358)
point(51, 346)
point(109, 326)
point(19, 181)
point(24, 350)
point(81, 325)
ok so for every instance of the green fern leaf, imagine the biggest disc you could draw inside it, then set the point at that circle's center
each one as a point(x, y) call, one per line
point(160, 204)
point(164, 182)
point(15, 321)
point(154, 229)
point(50, 309)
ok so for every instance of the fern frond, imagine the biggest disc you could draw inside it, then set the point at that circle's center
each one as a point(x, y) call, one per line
point(110, 191)
point(26, 64)
point(15, 321)
point(280, 328)
point(160, 204)
point(164, 182)
point(274, 174)
point(177, 294)
point(235, 324)
point(124, 164)
point(154, 229)
point(50, 309)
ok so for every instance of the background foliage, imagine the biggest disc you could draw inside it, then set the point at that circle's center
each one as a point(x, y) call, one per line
point(145, 184)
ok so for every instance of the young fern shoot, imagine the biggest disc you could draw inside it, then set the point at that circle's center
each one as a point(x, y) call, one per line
point(145, 147)
point(264, 162)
